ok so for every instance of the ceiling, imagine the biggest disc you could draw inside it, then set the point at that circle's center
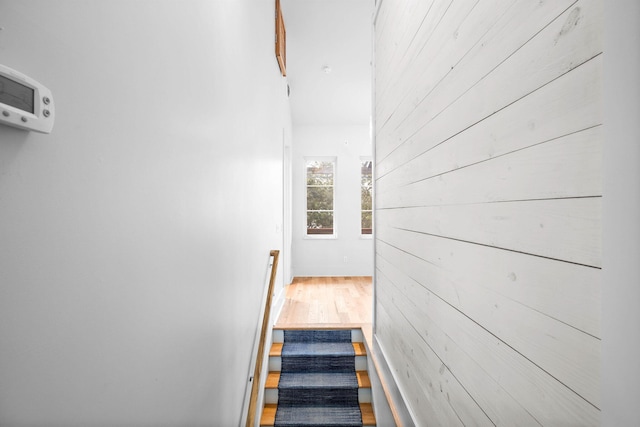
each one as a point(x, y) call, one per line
point(334, 34)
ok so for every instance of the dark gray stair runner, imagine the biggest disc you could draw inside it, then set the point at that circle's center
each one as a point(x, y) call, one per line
point(318, 385)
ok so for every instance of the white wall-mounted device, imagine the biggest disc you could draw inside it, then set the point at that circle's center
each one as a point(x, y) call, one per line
point(25, 103)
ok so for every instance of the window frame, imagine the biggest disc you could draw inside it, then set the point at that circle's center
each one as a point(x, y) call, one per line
point(326, 159)
point(363, 160)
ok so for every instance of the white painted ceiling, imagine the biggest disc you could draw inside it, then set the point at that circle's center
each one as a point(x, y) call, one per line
point(337, 34)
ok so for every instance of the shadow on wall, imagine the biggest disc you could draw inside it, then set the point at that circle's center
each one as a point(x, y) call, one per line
point(12, 140)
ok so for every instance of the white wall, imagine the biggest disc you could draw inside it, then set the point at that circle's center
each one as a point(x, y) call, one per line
point(621, 213)
point(325, 257)
point(334, 33)
point(488, 209)
point(134, 239)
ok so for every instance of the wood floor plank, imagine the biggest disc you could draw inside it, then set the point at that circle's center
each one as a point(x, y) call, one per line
point(327, 300)
point(318, 326)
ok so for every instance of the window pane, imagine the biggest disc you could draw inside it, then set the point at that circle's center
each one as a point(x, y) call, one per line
point(320, 191)
point(366, 173)
point(366, 222)
point(319, 222)
point(367, 166)
point(320, 179)
point(317, 168)
point(319, 198)
point(366, 192)
point(366, 199)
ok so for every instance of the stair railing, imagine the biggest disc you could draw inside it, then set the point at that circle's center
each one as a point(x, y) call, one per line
point(257, 372)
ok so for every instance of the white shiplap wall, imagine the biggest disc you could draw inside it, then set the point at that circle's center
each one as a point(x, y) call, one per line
point(488, 208)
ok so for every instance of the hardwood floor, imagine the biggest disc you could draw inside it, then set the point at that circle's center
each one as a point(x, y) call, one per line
point(327, 300)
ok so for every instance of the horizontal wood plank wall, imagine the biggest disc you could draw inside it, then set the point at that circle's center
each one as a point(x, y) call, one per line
point(488, 208)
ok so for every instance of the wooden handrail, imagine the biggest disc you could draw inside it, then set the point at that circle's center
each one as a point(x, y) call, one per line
point(255, 386)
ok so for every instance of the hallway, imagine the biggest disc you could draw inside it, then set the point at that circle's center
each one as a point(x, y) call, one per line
point(134, 237)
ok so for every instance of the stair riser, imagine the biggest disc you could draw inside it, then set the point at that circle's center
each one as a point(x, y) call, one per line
point(356, 335)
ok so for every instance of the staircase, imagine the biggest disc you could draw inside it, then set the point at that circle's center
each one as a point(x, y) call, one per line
point(318, 378)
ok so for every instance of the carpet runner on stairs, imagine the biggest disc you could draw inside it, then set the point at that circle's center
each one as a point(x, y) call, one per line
point(318, 386)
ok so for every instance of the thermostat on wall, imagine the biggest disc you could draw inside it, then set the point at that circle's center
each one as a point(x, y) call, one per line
point(25, 103)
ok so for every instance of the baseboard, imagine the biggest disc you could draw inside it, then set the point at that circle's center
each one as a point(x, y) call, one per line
point(395, 396)
point(276, 305)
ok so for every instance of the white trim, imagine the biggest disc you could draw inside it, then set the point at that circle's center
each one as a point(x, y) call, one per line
point(362, 160)
point(620, 373)
point(333, 236)
point(387, 373)
point(377, 10)
point(373, 157)
point(305, 235)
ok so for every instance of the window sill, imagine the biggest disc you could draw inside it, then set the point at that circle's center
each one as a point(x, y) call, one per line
point(320, 236)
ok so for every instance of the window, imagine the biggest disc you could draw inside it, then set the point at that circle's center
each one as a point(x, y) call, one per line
point(320, 197)
point(366, 194)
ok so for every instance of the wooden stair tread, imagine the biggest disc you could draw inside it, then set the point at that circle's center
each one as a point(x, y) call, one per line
point(273, 378)
point(363, 379)
point(276, 349)
point(358, 347)
point(269, 415)
point(368, 417)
